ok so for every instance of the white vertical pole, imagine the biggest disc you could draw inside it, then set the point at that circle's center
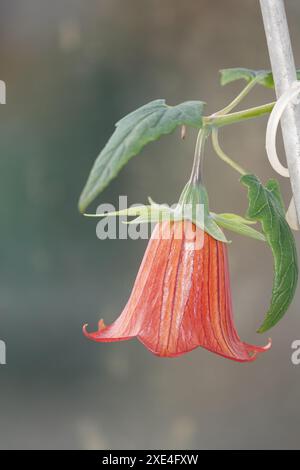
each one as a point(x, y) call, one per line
point(284, 74)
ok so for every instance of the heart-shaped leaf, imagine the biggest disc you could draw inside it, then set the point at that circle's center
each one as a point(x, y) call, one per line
point(266, 206)
point(264, 77)
point(132, 133)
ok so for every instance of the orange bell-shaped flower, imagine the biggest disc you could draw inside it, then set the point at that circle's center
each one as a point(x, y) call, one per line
point(181, 298)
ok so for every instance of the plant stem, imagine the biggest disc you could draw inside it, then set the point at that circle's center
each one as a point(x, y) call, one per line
point(216, 120)
point(222, 154)
point(220, 119)
point(238, 98)
point(196, 174)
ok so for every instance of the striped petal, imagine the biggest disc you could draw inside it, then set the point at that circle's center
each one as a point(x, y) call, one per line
point(181, 298)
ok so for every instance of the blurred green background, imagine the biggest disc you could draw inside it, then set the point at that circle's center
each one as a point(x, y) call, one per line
point(72, 69)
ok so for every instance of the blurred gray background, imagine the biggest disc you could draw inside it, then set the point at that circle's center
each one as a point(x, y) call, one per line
point(72, 69)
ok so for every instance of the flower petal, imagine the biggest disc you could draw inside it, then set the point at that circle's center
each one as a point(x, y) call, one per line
point(196, 308)
point(144, 294)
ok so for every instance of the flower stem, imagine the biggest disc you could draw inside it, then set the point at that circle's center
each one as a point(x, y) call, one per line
point(222, 154)
point(196, 175)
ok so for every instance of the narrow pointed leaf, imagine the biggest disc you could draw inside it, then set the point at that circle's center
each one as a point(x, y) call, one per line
point(213, 229)
point(129, 212)
point(235, 218)
point(238, 224)
point(264, 77)
point(142, 213)
point(132, 133)
point(266, 206)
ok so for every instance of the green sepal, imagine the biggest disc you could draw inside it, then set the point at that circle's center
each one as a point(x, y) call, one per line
point(192, 205)
point(143, 213)
point(266, 206)
point(195, 194)
point(238, 224)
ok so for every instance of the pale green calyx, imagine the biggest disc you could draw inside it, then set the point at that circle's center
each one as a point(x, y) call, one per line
point(192, 206)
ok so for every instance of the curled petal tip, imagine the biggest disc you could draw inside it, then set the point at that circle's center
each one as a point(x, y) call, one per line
point(268, 345)
point(84, 330)
point(259, 349)
point(101, 325)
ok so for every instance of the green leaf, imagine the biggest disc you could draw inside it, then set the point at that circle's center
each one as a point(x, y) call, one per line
point(264, 77)
point(238, 224)
point(132, 133)
point(266, 206)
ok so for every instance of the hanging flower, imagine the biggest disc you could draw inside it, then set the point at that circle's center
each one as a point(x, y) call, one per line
point(181, 298)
